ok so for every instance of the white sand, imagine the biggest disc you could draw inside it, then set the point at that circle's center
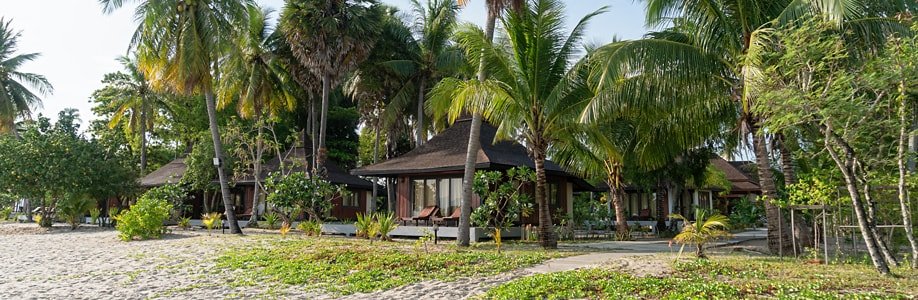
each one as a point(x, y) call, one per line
point(91, 263)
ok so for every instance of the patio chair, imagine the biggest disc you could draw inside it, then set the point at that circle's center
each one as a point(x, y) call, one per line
point(454, 217)
point(426, 214)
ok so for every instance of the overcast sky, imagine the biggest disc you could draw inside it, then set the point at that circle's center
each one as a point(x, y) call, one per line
point(79, 43)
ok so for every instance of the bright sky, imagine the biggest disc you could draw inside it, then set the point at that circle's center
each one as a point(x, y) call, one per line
point(79, 43)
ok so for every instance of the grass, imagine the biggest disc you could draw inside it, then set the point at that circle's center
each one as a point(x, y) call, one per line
point(726, 277)
point(346, 266)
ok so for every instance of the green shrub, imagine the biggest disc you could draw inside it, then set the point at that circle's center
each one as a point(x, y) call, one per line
point(74, 209)
point(94, 214)
point(184, 223)
point(310, 227)
point(5, 213)
point(212, 220)
point(363, 225)
point(144, 220)
point(385, 223)
point(271, 219)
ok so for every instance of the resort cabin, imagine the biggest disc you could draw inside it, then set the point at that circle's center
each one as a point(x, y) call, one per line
point(640, 204)
point(243, 189)
point(431, 176)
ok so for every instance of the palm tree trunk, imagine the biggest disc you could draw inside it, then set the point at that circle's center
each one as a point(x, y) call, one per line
point(259, 150)
point(471, 153)
point(143, 139)
point(323, 122)
point(777, 231)
point(218, 152)
point(419, 127)
point(547, 237)
point(904, 205)
point(371, 207)
point(615, 192)
point(662, 195)
point(848, 173)
point(802, 230)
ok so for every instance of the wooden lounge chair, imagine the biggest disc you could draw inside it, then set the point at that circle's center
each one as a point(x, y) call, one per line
point(425, 215)
point(454, 217)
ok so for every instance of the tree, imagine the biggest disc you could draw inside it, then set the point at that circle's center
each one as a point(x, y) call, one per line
point(495, 7)
point(533, 93)
point(503, 201)
point(715, 48)
point(331, 38)
point(16, 100)
point(706, 228)
point(133, 97)
point(300, 193)
point(259, 85)
point(179, 43)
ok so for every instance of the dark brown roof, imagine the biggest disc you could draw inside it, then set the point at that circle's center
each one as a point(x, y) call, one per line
point(446, 152)
point(167, 174)
point(296, 158)
point(741, 182)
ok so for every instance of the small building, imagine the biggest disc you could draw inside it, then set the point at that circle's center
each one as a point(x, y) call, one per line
point(243, 189)
point(431, 174)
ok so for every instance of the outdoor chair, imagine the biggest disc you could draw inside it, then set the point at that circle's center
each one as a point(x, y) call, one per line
point(454, 217)
point(426, 215)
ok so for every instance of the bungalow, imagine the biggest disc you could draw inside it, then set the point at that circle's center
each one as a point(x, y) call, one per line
point(431, 175)
point(243, 189)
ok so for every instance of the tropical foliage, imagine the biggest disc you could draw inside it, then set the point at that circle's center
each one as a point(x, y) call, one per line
point(145, 219)
point(504, 200)
point(16, 99)
point(705, 228)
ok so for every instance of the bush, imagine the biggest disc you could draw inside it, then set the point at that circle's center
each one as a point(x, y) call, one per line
point(363, 224)
point(310, 228)
point(94, 214)
point(385, 223)
point(5, 213)
point(74, 209)
point(212, 220)
point(184, 223)
point(144, 220)
point(172, 194)
point(271, 219)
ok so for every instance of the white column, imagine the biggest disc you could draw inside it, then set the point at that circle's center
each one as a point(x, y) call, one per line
point(367, 199)
point(671, 197)
point(711, 201)
point(695, 197)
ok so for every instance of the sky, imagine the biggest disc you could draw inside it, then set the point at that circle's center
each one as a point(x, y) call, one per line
point(79, 43)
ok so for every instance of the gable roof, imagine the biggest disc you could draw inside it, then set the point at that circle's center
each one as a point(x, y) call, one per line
point(740, 180)
point(167, 174)
point(446, 152)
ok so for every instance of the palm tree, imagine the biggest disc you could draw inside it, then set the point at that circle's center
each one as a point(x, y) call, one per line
point(715, 48)
point(331, 38)
point(16, 100)
point(706, 228)
point(179, 44)
point(495, 7)
point(256, 81)
point(433, 57)
point(135, 100)
point(533, 93)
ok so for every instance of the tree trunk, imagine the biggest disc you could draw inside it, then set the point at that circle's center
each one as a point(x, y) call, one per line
point(662, 196)
point(872, 219)
point(777, 228)
point(547, 237)
point(615, 192)
point(218, 154)
point(802, 230)
point(259, 150)
point(371, 206)
point(419, 127)
point(314, 150)
point(845, 165)
point(471, 153)
point(904, 205)
point(143, 138)
point(323, 123)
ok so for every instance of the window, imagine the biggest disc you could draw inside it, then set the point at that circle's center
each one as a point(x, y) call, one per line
point(552, 194)
point(350, 200)
point(445, 193)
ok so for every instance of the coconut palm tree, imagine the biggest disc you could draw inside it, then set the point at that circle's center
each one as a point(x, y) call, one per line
point(706, 228)
point(178, 46)
point(256, 81)
point(495, 7)
point(137, 101)
point(533, 92)
point(718, 45)
point(16, 100)
point(331, 38)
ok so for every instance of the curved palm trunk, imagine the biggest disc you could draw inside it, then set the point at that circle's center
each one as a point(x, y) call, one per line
point(777, 228)
point(471, 153)
point(218, 152)
point(143, 139)
point(419, 130)
point(547, 237)
point(662, 195)
point(615, 192)
point(904, 203)
point(323, 122)
point(371, 207)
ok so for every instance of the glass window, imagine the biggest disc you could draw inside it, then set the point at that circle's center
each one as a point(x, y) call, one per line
point(444, 199)
point(418, 197)
point(455, 194)
point(350, 199)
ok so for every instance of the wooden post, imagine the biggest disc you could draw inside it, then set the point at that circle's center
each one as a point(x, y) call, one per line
point(825, 241)
point(792, 229)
